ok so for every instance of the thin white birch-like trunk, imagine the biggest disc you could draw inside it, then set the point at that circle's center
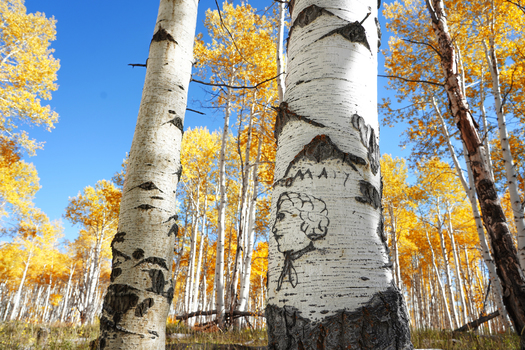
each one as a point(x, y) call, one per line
point(66, 294)
point(457, 265)
point(471, 194)
point(329, 269)
point(440, 284)
point(248, 253)
point(280, 52)
point(16, 301)
point(510, 169)
point(221, 222)
point(138, 299)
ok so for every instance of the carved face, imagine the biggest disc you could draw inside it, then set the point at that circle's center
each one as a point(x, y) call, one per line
point(287, 231)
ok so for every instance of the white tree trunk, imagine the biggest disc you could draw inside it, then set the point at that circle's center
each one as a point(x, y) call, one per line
point(137, 302)
point(329, 270)
point(471, 194)
point(16, 301)
point(510, 170)
point(280, 52)
point(221, 222)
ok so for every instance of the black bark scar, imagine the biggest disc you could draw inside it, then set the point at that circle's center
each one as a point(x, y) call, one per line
point(307, 16)
point(382, 323)
point(115, 273)
point(354, 32)
point(368, 139)
point(174, 228)
point(157, 281)
point(118, 300)
point(162, 35)
point(155, 261)
point(176, 122)
point(285, 115)
point(319, 149)
point(145, 207)
point(138, 254)
point(369, 194)
point(142, 307)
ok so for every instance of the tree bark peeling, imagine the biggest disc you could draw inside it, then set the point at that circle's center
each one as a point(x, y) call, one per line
point(370, 195)
point(380, 324)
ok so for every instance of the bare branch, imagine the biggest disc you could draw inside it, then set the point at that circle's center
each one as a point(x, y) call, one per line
point(235, 87)
point(410, 80)
point(423, 43)
point(194, 111)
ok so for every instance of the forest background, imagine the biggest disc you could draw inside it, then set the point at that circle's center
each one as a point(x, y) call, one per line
point(98, 99)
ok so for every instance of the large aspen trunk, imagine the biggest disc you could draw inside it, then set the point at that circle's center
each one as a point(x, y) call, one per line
point(330, 278)
point(504, 251)
point(138, 298)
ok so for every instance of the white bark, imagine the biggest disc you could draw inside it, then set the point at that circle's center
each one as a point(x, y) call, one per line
point(328, 253)
point(16, 301)
point(510, 169)
point(280, 52)
point(471, 194)
point(141, 291)
point(221, 222)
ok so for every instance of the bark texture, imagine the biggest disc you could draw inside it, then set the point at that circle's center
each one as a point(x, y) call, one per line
point(380, 324)
point(504, 251)
point(330, 280)
point(137, 301)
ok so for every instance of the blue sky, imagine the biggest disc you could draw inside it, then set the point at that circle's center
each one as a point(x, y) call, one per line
point(99, 95)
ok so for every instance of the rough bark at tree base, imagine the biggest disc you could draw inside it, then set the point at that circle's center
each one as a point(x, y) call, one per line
point(381, 324)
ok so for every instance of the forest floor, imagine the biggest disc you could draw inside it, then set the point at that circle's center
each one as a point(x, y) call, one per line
point(29, 336)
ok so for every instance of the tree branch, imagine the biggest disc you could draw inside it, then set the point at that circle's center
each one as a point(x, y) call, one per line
point(472, 326)
point(423, 43)
point(410, 80)
point(233, 86)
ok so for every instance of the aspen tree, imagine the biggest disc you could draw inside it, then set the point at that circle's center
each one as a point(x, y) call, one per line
point(504, 251)
point(330, 278)
point(137, 301)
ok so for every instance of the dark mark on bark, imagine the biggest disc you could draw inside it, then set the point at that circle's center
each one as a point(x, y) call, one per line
point(116, 253)
point(307, 16)
point(118, 300)
point(368, 139)
point(319, 149)
point(145, 207)
point(169, 294)
point(354, 32)
point(174, 228)
point(380, 324)
point(176, 122)
point(149, 186)
point(162, 35)
point(323, 173)
point(157, 197)
point(142, 307)
point(171, 112)
point(115, 273)
point(138, 254)
point(155, 261)
point(119, 238)
point(157, 281)
point(369, 194)
point(284, 115)
point(179, 173)
point(364, 278)
point(153, 333)
point(378, 32)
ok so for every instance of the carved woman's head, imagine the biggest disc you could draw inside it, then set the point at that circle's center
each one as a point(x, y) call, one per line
point(300, 219)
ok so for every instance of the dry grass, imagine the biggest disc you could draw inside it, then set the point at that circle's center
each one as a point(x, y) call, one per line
point(23, 336)
point(446, 340)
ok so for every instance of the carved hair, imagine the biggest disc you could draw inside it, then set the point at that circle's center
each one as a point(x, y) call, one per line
point(311, 210)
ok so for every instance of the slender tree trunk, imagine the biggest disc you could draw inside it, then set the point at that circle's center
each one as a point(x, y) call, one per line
point(330, 279)
point(280, 52)
point(510, 169)
point(221, 223)
point(66, 294)
point(138, 299)
point(16, 301)
point(504, 251)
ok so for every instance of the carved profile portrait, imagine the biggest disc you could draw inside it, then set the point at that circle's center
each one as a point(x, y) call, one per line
point(300, 221)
